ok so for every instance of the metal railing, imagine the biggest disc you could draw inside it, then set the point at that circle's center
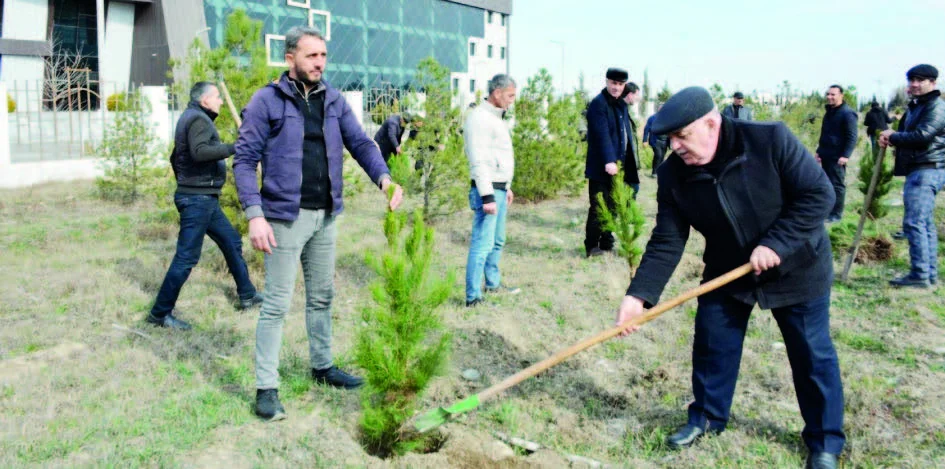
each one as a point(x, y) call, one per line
point(61, 120)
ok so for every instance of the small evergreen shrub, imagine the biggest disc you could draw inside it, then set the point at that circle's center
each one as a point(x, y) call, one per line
point(625, 221)
point(402, 345)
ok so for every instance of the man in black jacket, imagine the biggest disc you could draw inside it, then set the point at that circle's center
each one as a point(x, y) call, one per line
point(389, 135)
point(876, 120)
point(200, 169)
point(757, 196)
point(920, 156)
point(608, 138)
point(837, 142)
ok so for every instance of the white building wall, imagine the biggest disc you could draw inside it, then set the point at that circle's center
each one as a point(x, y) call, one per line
point(26, 20)
point(116, 55)
point(481, 67)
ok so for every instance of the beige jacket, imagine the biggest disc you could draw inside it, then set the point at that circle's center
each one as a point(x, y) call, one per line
point(488, 147)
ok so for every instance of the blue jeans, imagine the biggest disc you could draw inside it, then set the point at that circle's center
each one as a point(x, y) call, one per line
point(200, 215)
point(805, 327)
point(485, 245)
point(918, 223)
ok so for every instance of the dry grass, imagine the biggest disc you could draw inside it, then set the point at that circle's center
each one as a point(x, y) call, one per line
point(73, 266)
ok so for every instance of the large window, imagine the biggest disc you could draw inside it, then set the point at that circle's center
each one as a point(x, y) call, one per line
point(489, 51)
point(472, 49)
point(472, 86)
point(371, 40)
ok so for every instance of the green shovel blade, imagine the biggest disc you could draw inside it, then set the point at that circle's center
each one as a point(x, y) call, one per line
point(441, 415)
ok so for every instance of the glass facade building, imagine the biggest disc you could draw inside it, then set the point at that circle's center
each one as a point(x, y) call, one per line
point(371, 43)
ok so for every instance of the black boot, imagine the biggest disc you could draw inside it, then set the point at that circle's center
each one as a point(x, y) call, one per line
point(687, 435)
point(268, 406)
point(168, 321)
point(821, 460)
point(333, 376)
point(257, 299)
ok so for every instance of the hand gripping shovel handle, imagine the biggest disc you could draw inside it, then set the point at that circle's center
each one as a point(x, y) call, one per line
point(589, 342)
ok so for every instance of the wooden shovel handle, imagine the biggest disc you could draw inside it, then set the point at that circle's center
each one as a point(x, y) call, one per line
point(229, 104)
point(589, 342)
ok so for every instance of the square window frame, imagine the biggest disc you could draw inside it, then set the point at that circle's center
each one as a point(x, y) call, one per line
point(269, 38)
point(327, 15)
point(307, 4)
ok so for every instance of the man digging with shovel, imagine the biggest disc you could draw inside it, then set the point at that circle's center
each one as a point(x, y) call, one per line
point(757, 196)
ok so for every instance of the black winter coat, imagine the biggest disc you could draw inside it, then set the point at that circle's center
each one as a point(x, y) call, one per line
point(921, 136)
point(770, 192)
point(198, 154)
point(876, 119)
point(838, 133)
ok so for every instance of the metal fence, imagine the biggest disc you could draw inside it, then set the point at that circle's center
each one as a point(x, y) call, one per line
point(55, 120)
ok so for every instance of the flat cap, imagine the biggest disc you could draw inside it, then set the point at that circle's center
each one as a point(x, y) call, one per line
point(738, 95)
point(682, 109)
point(617, 74)
point(922, 71)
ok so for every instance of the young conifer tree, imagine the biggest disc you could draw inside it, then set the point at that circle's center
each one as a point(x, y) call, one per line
point(625, 219)
point(877, 208)
point(402, 345)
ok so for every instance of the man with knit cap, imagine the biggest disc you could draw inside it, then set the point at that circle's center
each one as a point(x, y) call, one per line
point(757, 196)
point(491, 166)
point(920, 156)
point(608, 138)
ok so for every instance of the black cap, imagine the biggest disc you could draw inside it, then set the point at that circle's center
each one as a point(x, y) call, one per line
point(738, 95)
point(682, 109)
point(617, 74)
point(922, 71)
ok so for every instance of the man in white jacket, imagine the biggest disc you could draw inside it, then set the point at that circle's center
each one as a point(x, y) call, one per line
point(491, 167)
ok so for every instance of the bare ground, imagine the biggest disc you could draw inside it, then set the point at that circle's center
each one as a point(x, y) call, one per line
point(77, 391)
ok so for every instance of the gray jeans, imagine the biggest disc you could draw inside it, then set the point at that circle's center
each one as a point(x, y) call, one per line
point(310, 238)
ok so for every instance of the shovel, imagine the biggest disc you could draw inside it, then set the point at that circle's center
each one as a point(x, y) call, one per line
point(437, 417)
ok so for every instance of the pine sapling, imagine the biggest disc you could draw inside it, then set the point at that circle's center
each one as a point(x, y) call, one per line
point(625, 219)
point(877, 207)
point(402, 345)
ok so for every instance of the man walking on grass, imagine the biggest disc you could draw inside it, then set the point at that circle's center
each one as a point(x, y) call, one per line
point(920, 156)
point(491, 166)
point(756, 195)
point(199, 164)
point(837, 142)
point(297, 128)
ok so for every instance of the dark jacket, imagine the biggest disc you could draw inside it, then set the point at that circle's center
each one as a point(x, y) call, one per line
point(768, 192)
point(631, 164)
point(921, 137)
point(838, 132)
point(389, 135)
point(876, 120)
point(273, 133)
point(197, 158)
point(605, 136)
point(650, 137)
point(744, 112)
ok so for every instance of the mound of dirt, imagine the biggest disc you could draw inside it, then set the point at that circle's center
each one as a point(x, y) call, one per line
point(874, 249)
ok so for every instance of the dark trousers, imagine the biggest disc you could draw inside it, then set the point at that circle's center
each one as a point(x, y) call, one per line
point(595, 236)
point(837, 175)
point(200, 215)
point(659, 151)
point(805, 327)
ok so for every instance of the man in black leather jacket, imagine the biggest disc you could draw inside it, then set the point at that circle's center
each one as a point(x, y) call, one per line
point(756, 195)
point(199, 166)
point(920, 156)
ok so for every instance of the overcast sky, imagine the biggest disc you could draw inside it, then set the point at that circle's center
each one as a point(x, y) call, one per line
point(748, 45)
